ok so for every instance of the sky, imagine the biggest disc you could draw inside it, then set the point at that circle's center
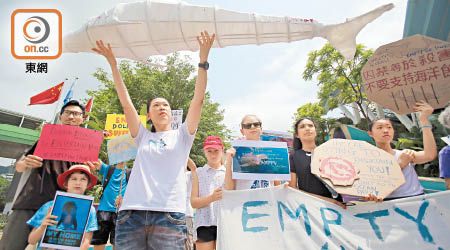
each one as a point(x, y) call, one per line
point(263, 80)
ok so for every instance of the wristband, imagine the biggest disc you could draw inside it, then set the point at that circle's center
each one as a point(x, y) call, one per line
point(427, 126)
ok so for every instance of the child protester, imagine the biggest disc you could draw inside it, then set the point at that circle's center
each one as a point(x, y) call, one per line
point(251, 129)
point(115, 179)
point(207, 183)
point(76, 180)
point(382, 131)
point(300, 162)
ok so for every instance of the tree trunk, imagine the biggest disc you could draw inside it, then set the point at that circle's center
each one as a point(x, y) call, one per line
point(362, 111)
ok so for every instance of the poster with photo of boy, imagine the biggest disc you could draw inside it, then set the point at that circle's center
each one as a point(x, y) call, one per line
point(73, 213)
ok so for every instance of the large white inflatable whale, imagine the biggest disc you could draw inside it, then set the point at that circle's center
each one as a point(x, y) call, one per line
point(157, 27)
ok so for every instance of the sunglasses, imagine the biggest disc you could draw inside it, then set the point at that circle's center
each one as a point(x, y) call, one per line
point(249, 125)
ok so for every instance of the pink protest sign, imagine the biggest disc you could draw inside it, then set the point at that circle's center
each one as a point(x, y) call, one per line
point(69, 143)
point(402, 73)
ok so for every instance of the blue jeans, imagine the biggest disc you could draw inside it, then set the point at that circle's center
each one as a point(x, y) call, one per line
point(150, 230)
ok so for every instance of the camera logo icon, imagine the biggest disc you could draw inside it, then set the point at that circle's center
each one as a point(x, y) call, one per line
point(36, 34)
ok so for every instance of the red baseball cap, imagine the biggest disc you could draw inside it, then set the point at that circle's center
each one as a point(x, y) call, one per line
point(83, 168)
point(213, 142)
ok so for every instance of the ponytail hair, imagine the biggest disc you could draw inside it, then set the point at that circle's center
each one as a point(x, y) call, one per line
point(152, 129)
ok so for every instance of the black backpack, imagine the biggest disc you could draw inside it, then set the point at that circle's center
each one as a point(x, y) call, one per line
point(108, 177)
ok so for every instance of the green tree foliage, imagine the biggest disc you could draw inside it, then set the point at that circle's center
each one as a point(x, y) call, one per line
point(339, 80)
point(4, 186)
point(313, 110)
point(176, 83)
point(316, 111)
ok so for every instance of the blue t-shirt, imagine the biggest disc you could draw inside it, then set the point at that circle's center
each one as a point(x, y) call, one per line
point(112, 189)
point(37, 218)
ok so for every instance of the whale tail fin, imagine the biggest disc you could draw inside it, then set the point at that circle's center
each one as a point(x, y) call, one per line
point(343, 36)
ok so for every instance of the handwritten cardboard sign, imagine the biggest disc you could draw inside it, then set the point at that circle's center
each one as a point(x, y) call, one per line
point(121, 149)
point(400, 74)
point(177, 119)
point(73, 211)
point(69, 143)
point(260, 160)
point(356, 168)
point(285, 218)
point(117, 125)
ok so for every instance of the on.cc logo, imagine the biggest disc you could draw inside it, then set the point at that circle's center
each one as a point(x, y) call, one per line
point(36, 29)
point(36, 34)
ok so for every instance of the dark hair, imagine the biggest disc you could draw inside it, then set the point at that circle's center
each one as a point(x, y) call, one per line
point(72, 103)
point(153, 129)
point(297, 143)
point(371, 123)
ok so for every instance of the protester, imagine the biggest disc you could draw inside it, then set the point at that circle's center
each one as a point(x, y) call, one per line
point(190, 237)
point(444, 154)
point(207, 185)
point(40, 186)
point(382, 132)
point(251, 129)
point(300, 163)
point(76, 180)
point(152, 215)
point(115, 179)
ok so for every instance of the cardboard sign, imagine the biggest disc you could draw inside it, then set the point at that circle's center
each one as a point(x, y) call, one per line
point(260, 160)
point(356, 168)
point(68, 143)
point(402, 73)
point(117, 125)
point(73, 212)
point(177, 119)
point(121, 149)
point(285, 218)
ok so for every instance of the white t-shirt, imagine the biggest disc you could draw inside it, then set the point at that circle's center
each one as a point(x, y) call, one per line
point(209, 179)
point(158, 181)
point(189, 209)
point(412, 186)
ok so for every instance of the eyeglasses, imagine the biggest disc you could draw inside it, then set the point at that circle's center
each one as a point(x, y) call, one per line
point(249, 125)
point(74, 113)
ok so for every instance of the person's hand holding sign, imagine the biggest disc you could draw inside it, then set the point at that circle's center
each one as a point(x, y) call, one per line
point(29, 161)
point(118, 201)
point(37, 232)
